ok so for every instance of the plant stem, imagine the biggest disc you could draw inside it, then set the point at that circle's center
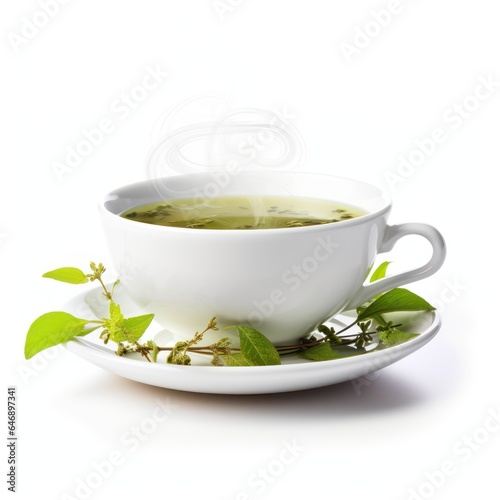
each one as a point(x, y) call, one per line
point(107, 294)
point(291, 349)
point(294, 347)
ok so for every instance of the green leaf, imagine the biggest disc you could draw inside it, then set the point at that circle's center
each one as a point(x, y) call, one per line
point(236, 359)
point(51, 329)
point(115, 313)
point(323, 352)
point(134, 327)
point(154, 350)
point(125, 329)
point(71, 275)
point(398, 299)
point(114, 324)
point(393, 336)
point(256, 348)
point(178, 354)
point(380, 272)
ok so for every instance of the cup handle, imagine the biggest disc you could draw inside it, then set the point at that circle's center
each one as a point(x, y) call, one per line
point(391, 236)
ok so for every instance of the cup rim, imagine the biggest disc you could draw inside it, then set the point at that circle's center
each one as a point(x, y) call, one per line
point(112, 195)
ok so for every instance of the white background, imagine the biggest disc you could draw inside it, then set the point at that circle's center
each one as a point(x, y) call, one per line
point(356, 117)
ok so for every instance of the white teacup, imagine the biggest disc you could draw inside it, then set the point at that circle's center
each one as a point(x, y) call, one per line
point(283, 282)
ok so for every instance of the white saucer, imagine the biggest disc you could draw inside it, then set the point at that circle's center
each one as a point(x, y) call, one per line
point(294, 374)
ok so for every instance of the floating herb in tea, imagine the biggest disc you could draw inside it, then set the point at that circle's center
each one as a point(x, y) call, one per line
point(243, 212)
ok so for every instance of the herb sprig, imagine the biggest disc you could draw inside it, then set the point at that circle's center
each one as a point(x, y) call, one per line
point(254, 349)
